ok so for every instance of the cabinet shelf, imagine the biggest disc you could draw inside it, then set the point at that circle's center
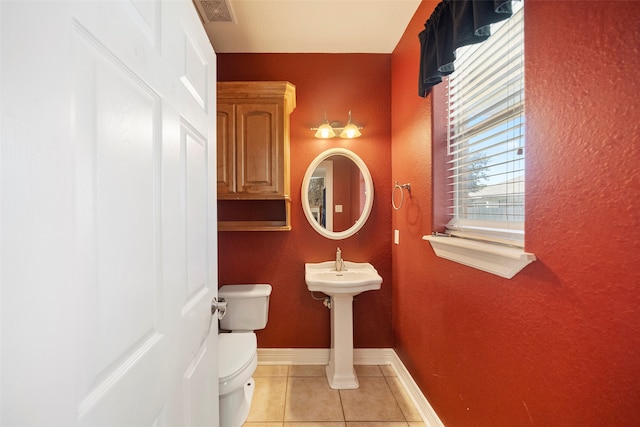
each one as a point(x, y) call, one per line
point(253, 226)
point(254, 215)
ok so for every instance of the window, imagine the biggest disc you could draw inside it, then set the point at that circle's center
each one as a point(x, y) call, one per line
point(479, 153)
point(485, 145)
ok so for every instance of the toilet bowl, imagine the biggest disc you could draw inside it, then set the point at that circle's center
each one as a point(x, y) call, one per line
point(237, 361)
point(247, 311)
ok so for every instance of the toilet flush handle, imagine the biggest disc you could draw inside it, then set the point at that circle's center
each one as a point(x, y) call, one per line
point(219, 305)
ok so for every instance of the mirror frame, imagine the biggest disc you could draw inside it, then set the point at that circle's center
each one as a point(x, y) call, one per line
point(368, 185)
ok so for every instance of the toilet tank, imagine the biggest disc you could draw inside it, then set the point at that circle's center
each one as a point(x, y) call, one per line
point(247, 307)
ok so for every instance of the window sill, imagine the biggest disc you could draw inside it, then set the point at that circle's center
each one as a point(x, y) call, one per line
point(495, 259)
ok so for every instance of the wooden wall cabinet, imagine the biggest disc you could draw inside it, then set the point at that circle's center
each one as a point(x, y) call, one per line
point(253, 155)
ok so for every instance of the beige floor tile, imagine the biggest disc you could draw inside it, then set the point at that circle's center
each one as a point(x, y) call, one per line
point(271, 371)
point(368, 371)
point(268, 399)
point(316, 424)
point(377, 424)
point(311, 399)
point(307, 371)
point(299, 396)
point(388, 371)
point(404, 401)
point(279, 424)
point(373, 401)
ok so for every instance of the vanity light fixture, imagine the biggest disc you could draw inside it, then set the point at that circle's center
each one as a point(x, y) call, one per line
point(326, 130)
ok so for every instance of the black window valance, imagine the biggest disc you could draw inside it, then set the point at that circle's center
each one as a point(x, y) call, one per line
point(454, 24)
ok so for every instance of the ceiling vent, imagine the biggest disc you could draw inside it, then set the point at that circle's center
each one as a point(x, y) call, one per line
point(214, 10)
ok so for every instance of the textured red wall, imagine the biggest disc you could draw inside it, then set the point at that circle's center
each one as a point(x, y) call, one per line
point(556, 345)
point(334, 83)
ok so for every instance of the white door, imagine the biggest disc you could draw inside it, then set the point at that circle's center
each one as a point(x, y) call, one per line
point(108, 218)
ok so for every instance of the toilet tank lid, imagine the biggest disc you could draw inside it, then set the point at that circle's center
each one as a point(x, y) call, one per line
point(244, 291)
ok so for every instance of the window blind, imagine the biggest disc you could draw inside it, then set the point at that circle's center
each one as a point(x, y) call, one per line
point(485, 142)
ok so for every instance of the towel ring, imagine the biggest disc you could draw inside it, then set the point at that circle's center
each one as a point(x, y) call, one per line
point(393, 194)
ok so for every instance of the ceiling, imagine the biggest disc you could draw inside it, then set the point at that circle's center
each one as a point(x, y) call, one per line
point(306, 26)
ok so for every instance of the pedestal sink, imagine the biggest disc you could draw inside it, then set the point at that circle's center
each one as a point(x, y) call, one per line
point(353, 279)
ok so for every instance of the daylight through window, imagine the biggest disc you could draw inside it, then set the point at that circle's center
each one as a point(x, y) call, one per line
point(485, 143)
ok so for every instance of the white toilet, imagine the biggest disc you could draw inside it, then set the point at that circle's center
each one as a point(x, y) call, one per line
point(247, 311)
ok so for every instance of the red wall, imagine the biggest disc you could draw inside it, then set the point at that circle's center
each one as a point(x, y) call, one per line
point(557, 344)
point(333, 83)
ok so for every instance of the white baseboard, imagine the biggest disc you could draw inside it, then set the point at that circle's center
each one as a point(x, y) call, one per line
point(361, 356)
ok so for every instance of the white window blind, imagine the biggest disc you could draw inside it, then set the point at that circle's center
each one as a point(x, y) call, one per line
point(485, 143)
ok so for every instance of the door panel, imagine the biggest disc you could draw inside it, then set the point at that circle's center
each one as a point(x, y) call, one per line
point(196, 197)
point(108, 215)
point(115, 206)
point(258, 150)
point(226, 149)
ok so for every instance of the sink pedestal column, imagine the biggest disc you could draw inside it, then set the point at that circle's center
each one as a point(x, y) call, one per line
point(340, 372)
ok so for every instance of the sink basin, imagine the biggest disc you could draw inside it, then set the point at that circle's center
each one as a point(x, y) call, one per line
point(354, 278)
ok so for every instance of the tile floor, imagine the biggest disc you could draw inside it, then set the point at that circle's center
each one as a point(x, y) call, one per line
point(299, 396)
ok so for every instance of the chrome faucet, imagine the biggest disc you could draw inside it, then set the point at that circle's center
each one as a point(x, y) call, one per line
point(339, 260)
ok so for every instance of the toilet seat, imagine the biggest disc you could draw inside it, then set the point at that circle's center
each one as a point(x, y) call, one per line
point(237, 360)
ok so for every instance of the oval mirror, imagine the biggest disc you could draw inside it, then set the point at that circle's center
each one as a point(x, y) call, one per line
point(337, 193)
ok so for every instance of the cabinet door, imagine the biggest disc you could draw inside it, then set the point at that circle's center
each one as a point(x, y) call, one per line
point(226, 147)
point(259, 144)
